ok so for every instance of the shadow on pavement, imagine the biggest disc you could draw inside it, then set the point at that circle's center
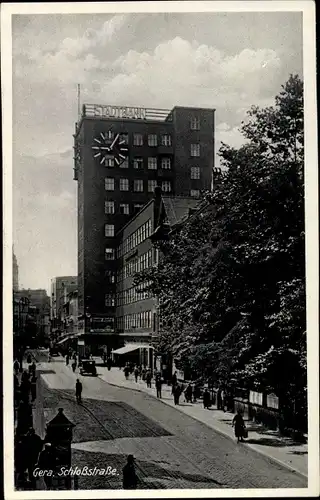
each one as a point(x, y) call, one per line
point(150, 474)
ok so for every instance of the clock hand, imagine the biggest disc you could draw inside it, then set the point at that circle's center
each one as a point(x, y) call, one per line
point(106, 148)
point(115, 140)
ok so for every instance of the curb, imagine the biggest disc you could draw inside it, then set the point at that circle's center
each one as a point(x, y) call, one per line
point(252, 447)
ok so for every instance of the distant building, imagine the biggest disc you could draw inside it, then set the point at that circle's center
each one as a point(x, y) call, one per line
point(38, 312)
point(69, 322)
point(121, 155)
point(15, 272)
point(61, 286)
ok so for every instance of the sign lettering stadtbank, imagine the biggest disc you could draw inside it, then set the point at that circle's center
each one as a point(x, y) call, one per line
point(120, 112)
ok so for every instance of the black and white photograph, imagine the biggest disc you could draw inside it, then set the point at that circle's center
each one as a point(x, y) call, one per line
point(160, 249)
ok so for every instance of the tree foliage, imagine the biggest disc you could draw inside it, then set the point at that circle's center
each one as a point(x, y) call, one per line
point(231, 282)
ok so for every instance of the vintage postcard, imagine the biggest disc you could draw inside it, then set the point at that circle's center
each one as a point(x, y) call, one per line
point(160, 249)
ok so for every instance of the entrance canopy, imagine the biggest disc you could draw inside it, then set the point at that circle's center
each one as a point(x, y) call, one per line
point(129, 348)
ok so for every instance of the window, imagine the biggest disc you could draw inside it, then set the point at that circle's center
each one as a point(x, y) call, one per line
point(195, 149)
point(124, 184)
point(138, 163)
point(109, 207)
point(110, 276)
point(109, 300)
point(195, 193)
point(109, 161)
point(151, 186)
point(137, 207)
point(195, 123)
point(152, 140)
point(124, 208)
point(137, 139)
point(166, 186)
point(166, 140)
point(124, 139)
point(152, 163)
point(166, 163)
point(109, 253)
point(138, 185)
point(109, 184)
point(109, 230)
point(124, 164)
point(195, 172)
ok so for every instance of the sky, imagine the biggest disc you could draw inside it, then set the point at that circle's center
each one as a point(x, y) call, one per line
point(225, 61)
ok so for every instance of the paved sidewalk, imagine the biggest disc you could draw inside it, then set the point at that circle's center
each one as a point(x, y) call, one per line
point(283, 450)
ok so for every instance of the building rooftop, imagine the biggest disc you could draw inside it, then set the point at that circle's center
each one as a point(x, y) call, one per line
point(177, 208)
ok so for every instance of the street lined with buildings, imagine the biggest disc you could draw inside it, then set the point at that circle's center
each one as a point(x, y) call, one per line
point(172, 449)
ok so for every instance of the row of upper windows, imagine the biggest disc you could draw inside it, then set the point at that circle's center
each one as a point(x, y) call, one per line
point(133, 321)
point(133, 294)
point(142, 233)
point(138, 185)
point(140, 139)
point(124, 208)
point(135, 265)
point(138, 163)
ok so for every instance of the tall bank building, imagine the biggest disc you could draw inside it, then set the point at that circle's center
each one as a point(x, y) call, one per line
point(121, 155)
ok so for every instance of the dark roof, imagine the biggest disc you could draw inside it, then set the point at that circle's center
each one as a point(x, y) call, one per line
point(177, 208)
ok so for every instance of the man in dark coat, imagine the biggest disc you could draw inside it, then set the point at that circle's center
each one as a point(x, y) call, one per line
point(158, 385)
point(33, 444)
point(177, 390)
point(148, 377)
point(130, 479)
point(47, 461)
point(206, 399)
point(78, 391)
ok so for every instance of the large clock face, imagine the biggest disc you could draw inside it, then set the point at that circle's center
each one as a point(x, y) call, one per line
point(110, 145)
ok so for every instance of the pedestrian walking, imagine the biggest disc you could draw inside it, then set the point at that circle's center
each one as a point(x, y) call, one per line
point(223, 401)
point(158, 385)
point(136, 373)
point(67, 359)
point(143, 374)
point(130, 479)
point(34, 445)
point(126, 371)
point(148, 378)
point(174, 382)
point(239, 426)
point(219, 399)
point(206, 399)
point(177, 390)
point(78, 391)
point(109, 364)
point(47, 461)
point(188, 394)
point(33, 387)
point(74, 365)
point(16, 366)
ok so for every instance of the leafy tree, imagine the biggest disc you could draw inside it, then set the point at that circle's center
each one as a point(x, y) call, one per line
point(231, 280)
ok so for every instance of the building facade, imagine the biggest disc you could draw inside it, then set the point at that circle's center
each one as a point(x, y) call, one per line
point(37, 314)
point(137, 321)
point(61, 286)
point(173, 149)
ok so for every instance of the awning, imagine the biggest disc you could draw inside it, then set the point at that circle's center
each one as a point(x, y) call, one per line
point(62, 341)
point(129, 348)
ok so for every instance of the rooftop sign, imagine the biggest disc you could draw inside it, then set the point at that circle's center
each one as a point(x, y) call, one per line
point(125, 112)
point(121, 112)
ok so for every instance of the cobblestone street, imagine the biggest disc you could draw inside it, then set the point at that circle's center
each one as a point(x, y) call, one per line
point(172, 449)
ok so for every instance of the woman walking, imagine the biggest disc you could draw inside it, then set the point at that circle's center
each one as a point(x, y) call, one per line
point(239, 426)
